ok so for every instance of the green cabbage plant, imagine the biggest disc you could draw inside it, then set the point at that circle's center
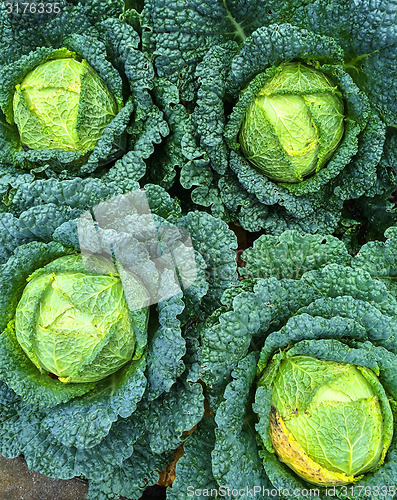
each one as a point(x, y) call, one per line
point(300, 367)
point(75, 97)
point(97, 377)
point(283, 114)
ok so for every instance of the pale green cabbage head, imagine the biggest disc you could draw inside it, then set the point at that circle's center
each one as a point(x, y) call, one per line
point(76, 324)
point(330, 422)
point(63, 104)
point(294, 125)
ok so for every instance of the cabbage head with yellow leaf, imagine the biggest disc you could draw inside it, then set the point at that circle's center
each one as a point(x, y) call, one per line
point(300, 367)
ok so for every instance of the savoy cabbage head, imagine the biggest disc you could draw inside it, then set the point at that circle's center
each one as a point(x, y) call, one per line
point(75, 96)
point(321, 394)
point(62, 104)
point(304, 87)
point(294, 124)
point(300, 368)
point(75, 338)
point(97, 376)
